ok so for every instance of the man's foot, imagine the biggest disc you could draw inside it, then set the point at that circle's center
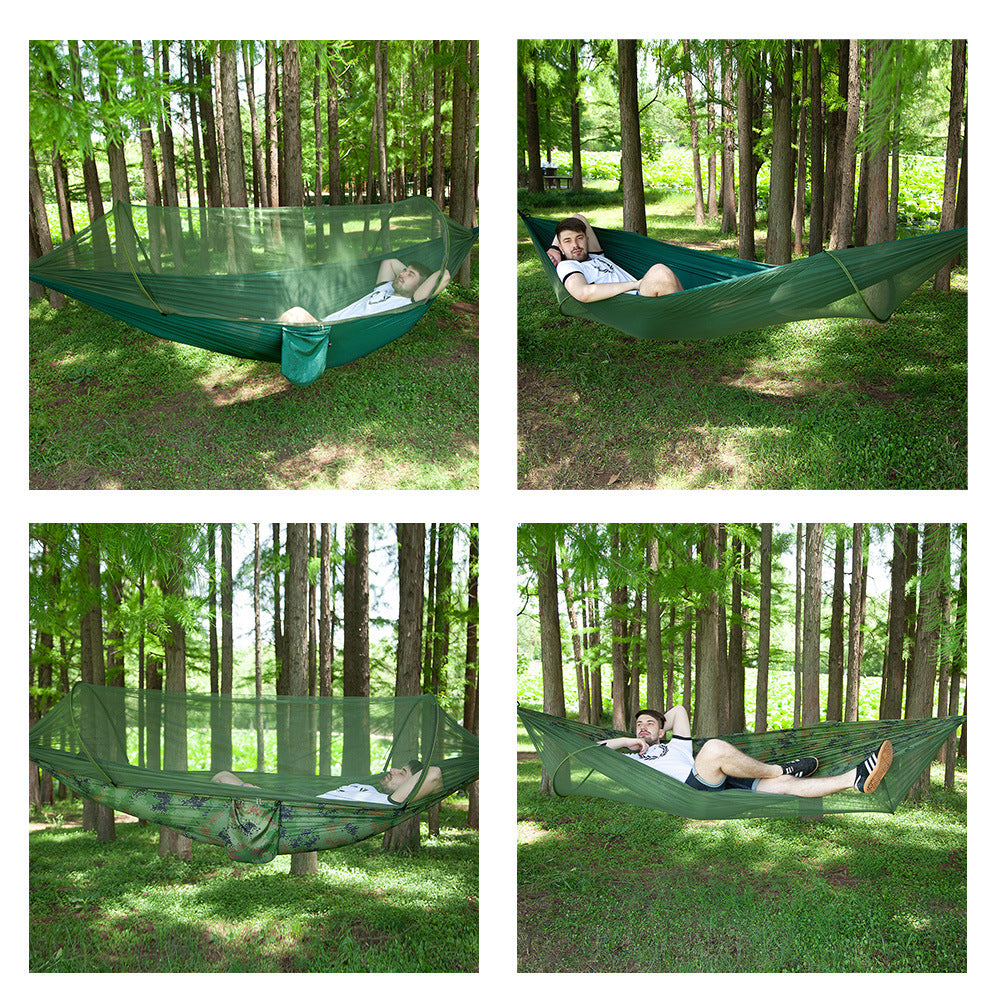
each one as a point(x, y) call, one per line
point(800, 768)
point(871, 770)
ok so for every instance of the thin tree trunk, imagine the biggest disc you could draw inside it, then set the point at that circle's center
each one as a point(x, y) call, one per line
point(633, 195)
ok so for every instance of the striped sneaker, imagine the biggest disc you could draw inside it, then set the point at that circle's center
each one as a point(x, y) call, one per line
point(871, 770)
point(800, 768)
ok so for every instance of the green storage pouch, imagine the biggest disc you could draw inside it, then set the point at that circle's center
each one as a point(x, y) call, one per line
point(303, 353)
point(253, 832)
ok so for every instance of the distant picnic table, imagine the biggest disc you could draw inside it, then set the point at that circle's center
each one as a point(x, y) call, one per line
point(556, 180)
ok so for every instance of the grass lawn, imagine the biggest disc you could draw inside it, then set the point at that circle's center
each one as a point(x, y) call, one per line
point(825, 404)
point(111, 407)
point(603, 887)
point(120, 908)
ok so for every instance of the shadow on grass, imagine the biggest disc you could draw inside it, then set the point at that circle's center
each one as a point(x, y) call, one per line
point(119, 907)
point(111, 407)
point(604, 887)
point(826, 404)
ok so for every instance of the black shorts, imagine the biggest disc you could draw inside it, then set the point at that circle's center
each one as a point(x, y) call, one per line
point(696, 781)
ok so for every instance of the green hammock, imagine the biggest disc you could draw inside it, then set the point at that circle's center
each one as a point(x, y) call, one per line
point(217, 278)
point(723, 295)
point(153, 753)
point(578, 766)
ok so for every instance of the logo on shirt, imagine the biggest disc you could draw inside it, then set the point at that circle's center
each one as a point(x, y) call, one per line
point(602, 265)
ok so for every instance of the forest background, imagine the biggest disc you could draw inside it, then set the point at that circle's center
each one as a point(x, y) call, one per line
point(260, 123)
point(151, 606)
point(750, 126)
point(710, 616)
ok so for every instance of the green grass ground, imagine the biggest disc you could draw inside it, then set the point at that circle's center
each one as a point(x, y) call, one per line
point(111, 407)
point(603, 887)
point(120, 908)
point(825, 404)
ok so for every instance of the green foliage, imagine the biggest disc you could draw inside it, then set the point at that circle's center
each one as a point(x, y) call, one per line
point(921, 181)
point(119, 908)
point(780, 694)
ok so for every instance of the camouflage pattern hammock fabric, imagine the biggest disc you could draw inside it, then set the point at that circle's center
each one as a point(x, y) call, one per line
point(153, 754)
point(578, 766)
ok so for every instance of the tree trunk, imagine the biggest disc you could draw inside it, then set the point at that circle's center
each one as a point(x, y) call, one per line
point(654, 639)
point(892, 705)
point(296, 597)
point(764, 639)
point(855, 619)
point(799, 212)
point(816, 179)
point(920, 690)
point(811, 621)
point(175, 757)
point(707, 687)
point(745, 86)
point(835, 668)
point(942, 281)
point(272, 167)
point(879, 122)
point(232, 127)
point(728, 223)
point(633, 195)
point(294, 192)
point(840, 236)
point(576, 176)
point(699, 198)
point(405, 837)
point(256, 147)
point(779, 207)
point(437, 154)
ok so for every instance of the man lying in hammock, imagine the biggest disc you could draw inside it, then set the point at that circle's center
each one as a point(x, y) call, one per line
point(396, 785)
point(396, 285)
point(719, 765)
point(590, 276)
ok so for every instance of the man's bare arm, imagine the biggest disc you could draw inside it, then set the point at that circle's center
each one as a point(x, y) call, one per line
point(678, 721)
point(624, 743)
point(433, 283)
point(582, 290)
point(389, 269)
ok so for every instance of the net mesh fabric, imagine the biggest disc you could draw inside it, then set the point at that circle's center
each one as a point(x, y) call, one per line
point(154, 754)
point(579, 766)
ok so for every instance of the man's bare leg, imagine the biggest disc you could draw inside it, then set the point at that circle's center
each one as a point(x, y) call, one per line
point(807, 788)
point(717, 759)
point(297, 315)
point(228, 778)
point(659, 280)
point(874, 769)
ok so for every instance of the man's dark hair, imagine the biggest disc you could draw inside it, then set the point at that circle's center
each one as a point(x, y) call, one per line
point(659, 716)
point(422, 269)
point(573, 224)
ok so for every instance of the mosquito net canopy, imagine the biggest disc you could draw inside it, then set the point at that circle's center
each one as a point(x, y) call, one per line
point(578, 765)
point(220, 278)
point(154, 754)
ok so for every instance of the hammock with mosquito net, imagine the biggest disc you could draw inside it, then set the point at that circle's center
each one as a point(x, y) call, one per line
point(579, 766)
point(219, 278)
point(153, 754)
point(724, 295)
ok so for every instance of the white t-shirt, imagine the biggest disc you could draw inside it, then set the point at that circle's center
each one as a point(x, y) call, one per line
point(363, 794)
point(674, 758)
point(381, 299)
point(596, 270)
